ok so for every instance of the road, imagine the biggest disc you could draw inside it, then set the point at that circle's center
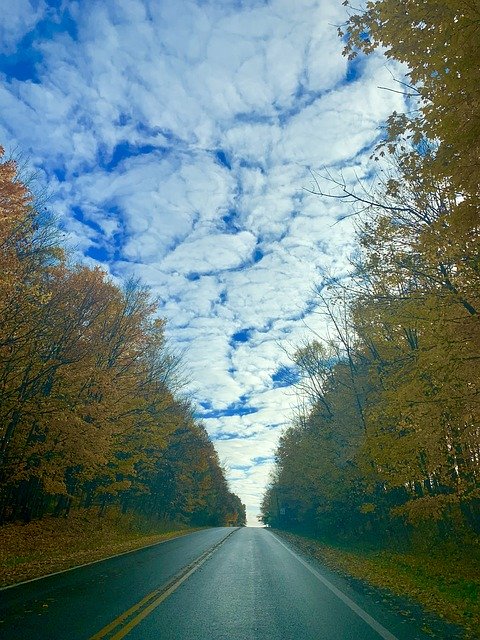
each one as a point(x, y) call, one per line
point(215, 584)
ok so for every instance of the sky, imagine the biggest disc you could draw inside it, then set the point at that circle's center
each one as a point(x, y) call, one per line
point(177, 141)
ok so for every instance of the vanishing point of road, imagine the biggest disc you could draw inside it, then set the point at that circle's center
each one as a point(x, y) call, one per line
point(214, 584)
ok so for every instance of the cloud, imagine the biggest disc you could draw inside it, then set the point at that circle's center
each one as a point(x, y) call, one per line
point(18, 19)
point(177, 140)
point(212, 253)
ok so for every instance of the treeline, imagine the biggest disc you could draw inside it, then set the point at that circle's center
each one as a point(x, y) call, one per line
point(386, 442)
point(90, 413)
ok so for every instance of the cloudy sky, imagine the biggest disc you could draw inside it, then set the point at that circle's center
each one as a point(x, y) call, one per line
point(177, 139)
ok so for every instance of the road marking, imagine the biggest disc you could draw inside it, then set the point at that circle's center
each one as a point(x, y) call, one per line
point(376, 626)
point(124, 623)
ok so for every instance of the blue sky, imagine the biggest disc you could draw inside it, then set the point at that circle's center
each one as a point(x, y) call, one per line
point(176, 138)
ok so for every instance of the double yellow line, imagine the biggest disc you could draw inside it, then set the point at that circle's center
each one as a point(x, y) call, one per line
point(129, 619)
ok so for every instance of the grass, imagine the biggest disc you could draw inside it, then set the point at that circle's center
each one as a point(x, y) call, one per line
point(53, 544)
point(444, 581)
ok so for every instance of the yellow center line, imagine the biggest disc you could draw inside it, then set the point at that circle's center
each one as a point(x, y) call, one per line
point(125, 615)
point(151, 601)
point(145, 612)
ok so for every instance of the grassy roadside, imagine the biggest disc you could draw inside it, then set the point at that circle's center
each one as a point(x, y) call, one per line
point(445, 581)
point(52, 544)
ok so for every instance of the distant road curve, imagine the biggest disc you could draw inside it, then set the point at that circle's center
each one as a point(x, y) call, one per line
point(215, 584)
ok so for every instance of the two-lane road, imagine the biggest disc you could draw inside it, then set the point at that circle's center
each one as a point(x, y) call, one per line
point(243, 584)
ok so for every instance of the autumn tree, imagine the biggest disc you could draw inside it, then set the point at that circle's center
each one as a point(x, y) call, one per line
point(439, 43)
point(411, 305)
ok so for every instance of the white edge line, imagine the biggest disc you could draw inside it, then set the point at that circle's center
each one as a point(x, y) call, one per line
point(376, 626)
point(87, 564)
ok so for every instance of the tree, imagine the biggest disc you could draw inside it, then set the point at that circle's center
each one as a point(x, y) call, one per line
point(439, 42)
point(90, 410)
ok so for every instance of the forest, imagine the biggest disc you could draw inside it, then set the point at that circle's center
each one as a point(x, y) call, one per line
point(92, 412)
point(384, 446)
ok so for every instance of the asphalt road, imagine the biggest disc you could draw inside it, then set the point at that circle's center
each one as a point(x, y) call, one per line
point(216, 584)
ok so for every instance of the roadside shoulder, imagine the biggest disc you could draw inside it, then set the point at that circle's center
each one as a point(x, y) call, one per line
point(55, 545)
point(376, 577)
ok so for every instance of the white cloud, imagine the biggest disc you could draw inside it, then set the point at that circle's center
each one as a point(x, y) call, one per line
point(18, 19)
point(212, 253)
